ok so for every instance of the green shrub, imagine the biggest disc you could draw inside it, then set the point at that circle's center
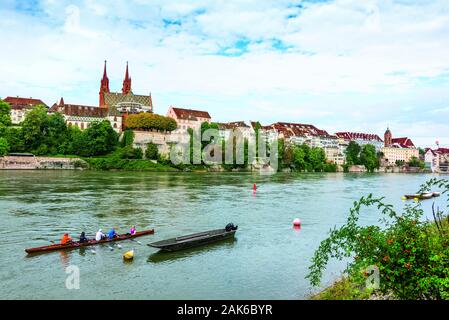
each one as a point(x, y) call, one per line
point(412, 255)
point(128, 152)
point(152, 152)
point(4, 147)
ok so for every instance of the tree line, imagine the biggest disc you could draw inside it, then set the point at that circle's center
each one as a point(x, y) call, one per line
point(48, 134)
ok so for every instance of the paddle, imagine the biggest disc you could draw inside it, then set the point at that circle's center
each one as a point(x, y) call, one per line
point(136, 241)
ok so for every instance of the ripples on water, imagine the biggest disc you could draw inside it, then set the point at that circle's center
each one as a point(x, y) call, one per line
point(267, 260)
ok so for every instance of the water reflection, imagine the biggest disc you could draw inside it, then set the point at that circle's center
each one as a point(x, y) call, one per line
point(65, 259)
point(164, 256)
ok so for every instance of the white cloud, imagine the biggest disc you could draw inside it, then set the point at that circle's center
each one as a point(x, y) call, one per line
point(350, 64)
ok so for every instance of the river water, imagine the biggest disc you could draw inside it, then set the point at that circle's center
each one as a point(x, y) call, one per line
point(267, 260)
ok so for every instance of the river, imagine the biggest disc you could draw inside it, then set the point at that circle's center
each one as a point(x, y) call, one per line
point(267, 260)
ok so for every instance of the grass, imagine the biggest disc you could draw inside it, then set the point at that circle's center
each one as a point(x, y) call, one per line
point(112, 163)
point(343, 289)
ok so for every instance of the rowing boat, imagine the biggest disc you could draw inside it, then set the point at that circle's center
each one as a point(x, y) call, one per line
point(193, 240)
point(75, 245)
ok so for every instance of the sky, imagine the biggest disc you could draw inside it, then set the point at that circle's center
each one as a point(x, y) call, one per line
point(342, 65)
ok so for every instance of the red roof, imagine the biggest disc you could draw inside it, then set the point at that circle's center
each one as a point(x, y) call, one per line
point(190, 114)
point(357, 135)
point(297, 129)
point(403, 142)
point(442, 150)
point(20, 103)
point(84, 111)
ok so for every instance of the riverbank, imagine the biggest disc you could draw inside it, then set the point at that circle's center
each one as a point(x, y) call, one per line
point(115, 163)
point(411, 257)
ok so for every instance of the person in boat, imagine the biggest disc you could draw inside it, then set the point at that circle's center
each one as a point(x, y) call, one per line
point(112, 234)
point(66, 239)
point(133, 230)
point(83, 237)
point(100, 235)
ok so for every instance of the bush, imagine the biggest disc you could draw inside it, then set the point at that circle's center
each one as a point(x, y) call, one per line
point(129, 152)
point(4, 147)
point(150, 121)
point(128, 138)
point(152, 152)
point(330, 167)
point(412, 255)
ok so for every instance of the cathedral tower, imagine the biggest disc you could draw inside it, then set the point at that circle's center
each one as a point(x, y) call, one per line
point(104, 87)
point(388, 138)
point(127, 82)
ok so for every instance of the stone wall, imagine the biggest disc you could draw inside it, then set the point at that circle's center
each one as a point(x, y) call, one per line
point(142, 138)
point(32, 163)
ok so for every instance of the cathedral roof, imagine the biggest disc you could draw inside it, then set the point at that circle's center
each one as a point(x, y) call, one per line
point(115, 98)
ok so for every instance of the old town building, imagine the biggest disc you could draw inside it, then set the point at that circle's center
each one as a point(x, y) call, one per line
point(20, 107)
point(81, 116)
point(187, 119)
point(362, 139)
point(437, 160)
point(398, 149)
point(298, 133)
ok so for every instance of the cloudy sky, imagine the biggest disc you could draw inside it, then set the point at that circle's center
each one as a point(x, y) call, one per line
point(343, 65)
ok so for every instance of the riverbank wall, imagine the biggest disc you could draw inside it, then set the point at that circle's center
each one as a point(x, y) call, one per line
point(39, 163)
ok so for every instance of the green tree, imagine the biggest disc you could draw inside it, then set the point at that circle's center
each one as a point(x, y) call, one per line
point(368, 157)
point(300, 156)
point(14, 136)
point(128, 138)
point(415, 162)
point(4, 147)
point(56, 134)
point(34, 129)
point(353, 153)
point(317, 158)
point(5, 113)
point(98, 139)
point(151, 152)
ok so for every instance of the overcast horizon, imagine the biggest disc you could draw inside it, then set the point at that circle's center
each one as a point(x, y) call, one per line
point(340, 65)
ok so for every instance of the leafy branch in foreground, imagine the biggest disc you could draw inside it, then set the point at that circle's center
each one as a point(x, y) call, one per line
point(412, 255)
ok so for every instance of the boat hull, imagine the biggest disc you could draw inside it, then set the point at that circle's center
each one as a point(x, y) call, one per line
point(193, 240)
point(76, 245)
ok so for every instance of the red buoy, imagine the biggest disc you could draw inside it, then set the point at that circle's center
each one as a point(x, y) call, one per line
point(254, 187)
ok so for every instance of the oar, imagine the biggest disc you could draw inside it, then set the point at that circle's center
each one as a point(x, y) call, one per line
point(118, 245)
point(136, 241)
point(110, 247)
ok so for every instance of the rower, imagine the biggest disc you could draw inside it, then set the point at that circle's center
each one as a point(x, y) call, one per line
point(83, 237)
point(100, 235)
point(133, 230)
point(112, 234)
point(66, 239)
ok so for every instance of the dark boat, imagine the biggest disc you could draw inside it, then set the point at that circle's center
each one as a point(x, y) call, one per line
point(196, 239)
point(75, 245)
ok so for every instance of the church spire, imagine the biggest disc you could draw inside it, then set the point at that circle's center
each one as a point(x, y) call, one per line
point(104, 87)
point(127, 82)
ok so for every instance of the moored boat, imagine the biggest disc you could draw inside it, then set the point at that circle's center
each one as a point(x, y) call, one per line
point(421, 196)
point(195, 239)
point(75, 245)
